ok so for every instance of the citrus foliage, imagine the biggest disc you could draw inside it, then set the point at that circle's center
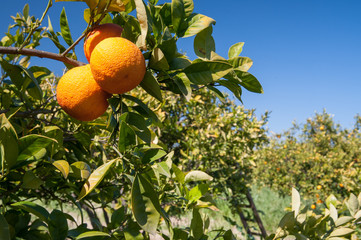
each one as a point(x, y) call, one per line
point(333, 220)
point(318, 158)
point(54, 168)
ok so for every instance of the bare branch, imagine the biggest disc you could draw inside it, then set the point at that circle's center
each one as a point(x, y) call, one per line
point(40, 54)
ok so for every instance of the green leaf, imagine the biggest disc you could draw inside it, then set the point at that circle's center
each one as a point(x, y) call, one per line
point(333, 212)
point(143, 21)
point(204, 43)
point(218, 93)
point(196, 23)
point(232, 86)
point(133, 232)
point(179, 175)
point(184, 85)
point(153, 154)
point(33, 146)
point(53, 37)
point(92, 234)
point(197, 192)
point(177, 9)
point(58, 225)
point(331, 199)
point(188, 7)
point(145, 204)
point(33, 208)
point(207, 71)
point(14, 72)
point(8, 141)
point(139, 125)
point(179, 63)
point(241, 63)
point(343, 220)
point(81, 170)
point(235, 50)
point(197, 176)
point(296, 201)
point(4, 228)
point(196, 224)
point(158, 60)
point(151, 86)
point(31, 181)
point(341, 232)
point(162, 168)
point(352, 204)
point(95, 178)
point(106, 19)
point(35, 91)
point(63, 167)
point(127, 137)
point(249, 82)
point(64, 28)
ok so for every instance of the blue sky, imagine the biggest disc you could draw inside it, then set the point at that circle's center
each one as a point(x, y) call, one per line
point(307, 54)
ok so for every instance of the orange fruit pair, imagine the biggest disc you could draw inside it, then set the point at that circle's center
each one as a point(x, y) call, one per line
point(116, 66)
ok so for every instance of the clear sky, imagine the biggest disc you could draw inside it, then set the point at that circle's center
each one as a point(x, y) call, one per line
point(307, 54)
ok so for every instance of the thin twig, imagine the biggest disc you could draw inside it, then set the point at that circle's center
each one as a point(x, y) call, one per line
point(41, 54)
point(38, 23)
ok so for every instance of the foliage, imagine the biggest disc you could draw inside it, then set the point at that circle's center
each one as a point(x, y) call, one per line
point(333, 220)
point(215, 137)
point(318, 158)
point(114, 166)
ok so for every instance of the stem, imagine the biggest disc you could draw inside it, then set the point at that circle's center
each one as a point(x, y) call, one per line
point(41, 54)
point(38, 23)
point(86, 31)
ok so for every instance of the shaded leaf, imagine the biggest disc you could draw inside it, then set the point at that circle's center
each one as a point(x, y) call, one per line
point(58, 225)
point(184, 85)
point(249, 82)
point(196, 224)
point(4, 228)
point(177, 10)
point(207, 71)
point(31, 181)
point(8, 142)
point(145, 204)
point(126, 136)
point(151, 86)
point(204, 43)
point(158, 60)
point(33, 208)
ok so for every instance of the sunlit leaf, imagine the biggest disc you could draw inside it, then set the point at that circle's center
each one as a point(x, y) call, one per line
point(196, 24)
point(8, 142)
point(63, 167)
point(235, 50)
point(95, 178)
point(296, 201)
point(64, 27)
point(197, 176)
point(92, 234)
point(158, 60)
point(143, 21)
point(81, 170)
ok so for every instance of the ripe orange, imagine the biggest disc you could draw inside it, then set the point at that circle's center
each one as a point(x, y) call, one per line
point(117, 65)
point(98, 34)
point(313, 206)
point(80, 96)
point(319, 187)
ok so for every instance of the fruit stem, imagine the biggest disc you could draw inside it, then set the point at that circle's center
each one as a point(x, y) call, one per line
point(41, 54)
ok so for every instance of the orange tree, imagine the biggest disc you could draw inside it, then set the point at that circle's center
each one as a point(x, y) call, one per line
point(55, 168)
point(318, 158)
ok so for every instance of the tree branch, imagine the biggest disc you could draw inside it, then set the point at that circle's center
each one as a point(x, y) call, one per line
point(40, 54)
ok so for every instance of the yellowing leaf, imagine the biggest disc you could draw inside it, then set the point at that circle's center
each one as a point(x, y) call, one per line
point(115, 5)
point(63, 167)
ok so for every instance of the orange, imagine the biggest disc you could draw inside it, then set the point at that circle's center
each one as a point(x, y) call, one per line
point(313, 206)
point(80, 96)
point(319, 187)
point(117, 65)
point(98, 34)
